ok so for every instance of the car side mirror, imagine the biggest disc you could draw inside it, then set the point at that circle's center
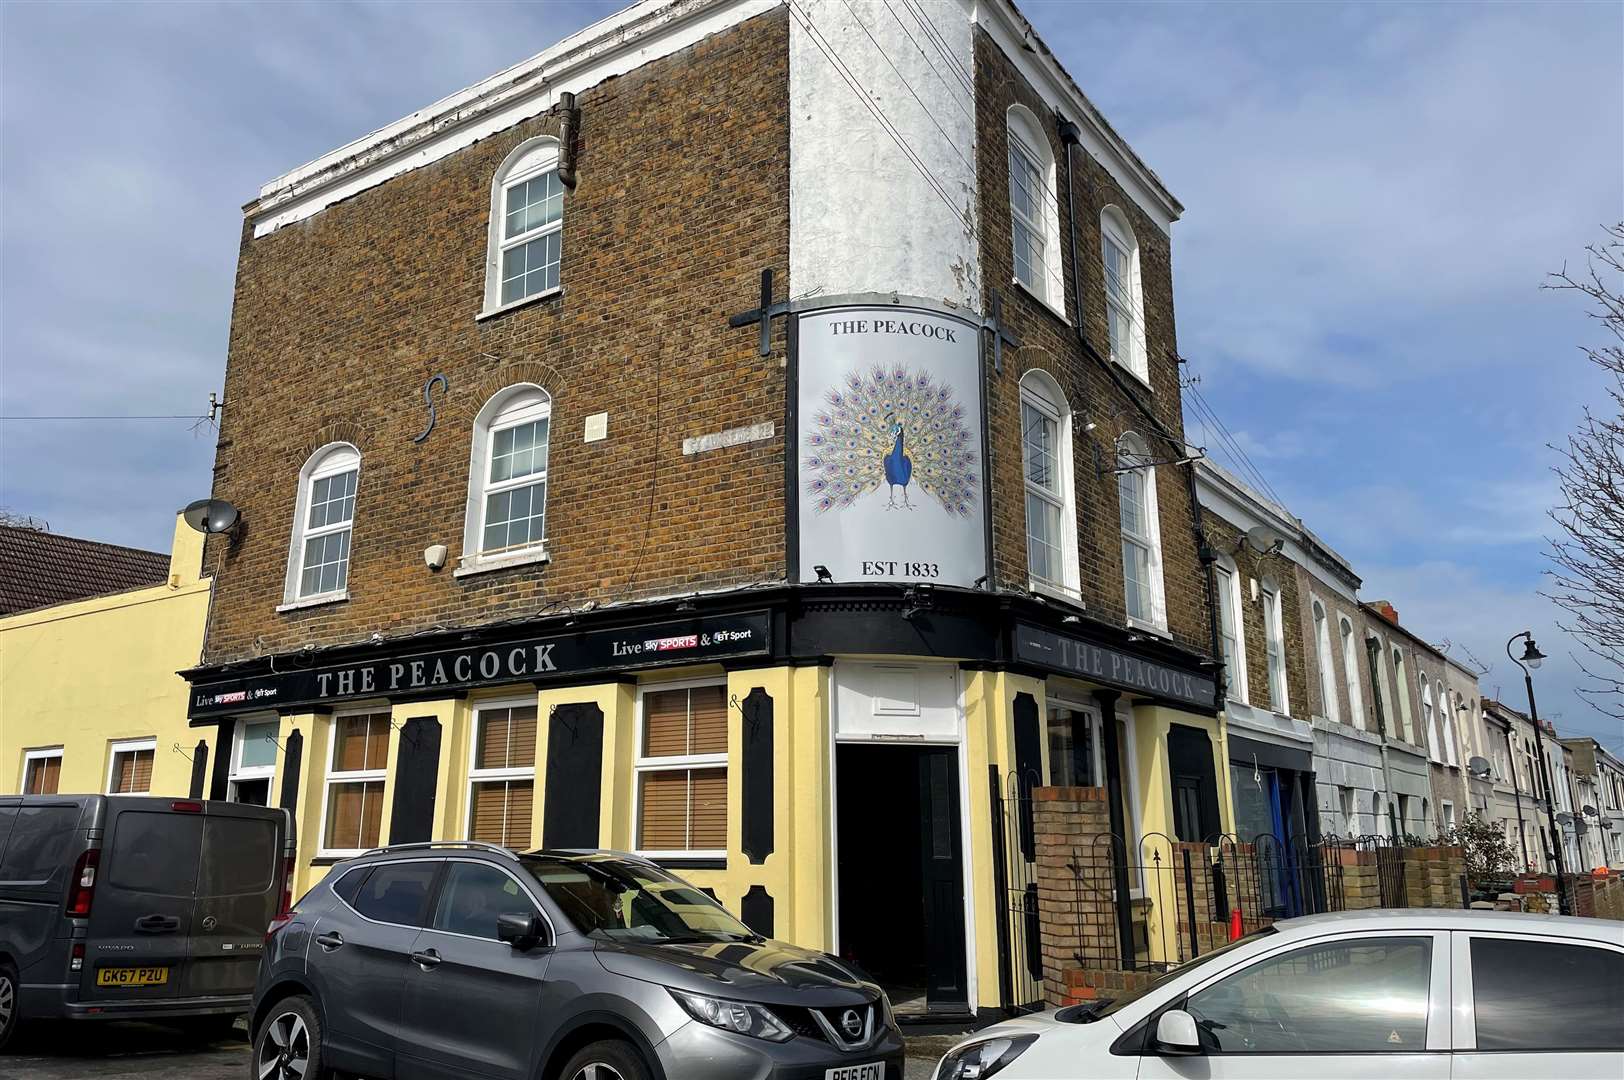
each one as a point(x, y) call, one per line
point(522, 930)
point(1176, 1034)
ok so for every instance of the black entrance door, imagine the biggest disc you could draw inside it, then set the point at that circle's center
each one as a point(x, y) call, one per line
point(902, 873)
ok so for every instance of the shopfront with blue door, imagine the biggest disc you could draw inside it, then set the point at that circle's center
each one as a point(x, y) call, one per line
point(1276, 818)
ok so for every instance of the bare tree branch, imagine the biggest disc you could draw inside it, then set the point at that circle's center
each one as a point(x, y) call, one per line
point(1586, 579)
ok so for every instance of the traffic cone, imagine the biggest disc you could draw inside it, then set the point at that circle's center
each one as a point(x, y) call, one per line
point(1236, 931)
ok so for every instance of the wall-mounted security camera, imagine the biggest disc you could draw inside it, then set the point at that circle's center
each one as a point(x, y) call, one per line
point(434, 556)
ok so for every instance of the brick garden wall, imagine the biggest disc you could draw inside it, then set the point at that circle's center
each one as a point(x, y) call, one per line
point(340, 319)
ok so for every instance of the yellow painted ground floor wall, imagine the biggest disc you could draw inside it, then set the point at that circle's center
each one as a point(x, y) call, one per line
point(798, 874)
point(77, 678)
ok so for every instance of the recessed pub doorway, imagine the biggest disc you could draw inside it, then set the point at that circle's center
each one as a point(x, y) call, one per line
point(901, 891)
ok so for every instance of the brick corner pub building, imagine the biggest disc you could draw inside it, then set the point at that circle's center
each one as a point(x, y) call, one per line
point(564, 523)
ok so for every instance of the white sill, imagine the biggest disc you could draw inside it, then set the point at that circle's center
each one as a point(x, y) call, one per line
point(1153, 629)
point(484, 565)
point(491, 313)
point(1058, 592)
point(1057, 312)
point(314, 601)
point(1134, 375)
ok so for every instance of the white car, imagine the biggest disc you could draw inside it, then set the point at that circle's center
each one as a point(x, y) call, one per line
point(1391, 995)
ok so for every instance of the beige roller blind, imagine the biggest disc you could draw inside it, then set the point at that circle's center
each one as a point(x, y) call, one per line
point(683, 810)
point(44, 774)
point(354, 813)
point(132, 772)
point(501, 812)
point(361, 743)
point(507, 738)
point(687, 721)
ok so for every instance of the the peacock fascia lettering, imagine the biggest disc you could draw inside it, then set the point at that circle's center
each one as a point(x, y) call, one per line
point(938, 331)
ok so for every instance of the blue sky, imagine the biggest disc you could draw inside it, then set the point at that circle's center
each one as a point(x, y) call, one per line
point(1373, 196)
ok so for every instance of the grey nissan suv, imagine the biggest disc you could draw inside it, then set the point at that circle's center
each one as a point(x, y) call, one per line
point(468, 960)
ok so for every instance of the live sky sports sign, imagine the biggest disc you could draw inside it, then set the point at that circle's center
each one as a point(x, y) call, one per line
point(489, 664)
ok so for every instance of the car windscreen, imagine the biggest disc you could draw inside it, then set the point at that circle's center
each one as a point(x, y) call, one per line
point(1128, 997)
point(620, 900)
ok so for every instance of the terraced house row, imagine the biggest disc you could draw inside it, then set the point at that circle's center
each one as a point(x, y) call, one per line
point(749, 433)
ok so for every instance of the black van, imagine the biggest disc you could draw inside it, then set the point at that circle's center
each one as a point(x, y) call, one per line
point(126, 906)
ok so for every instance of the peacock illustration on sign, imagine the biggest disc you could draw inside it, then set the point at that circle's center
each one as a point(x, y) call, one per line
point(891, 426)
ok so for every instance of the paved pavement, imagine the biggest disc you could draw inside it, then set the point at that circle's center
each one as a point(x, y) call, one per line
point(97, 1051)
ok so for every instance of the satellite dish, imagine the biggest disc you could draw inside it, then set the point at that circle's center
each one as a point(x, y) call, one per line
point(1564, 818)
point(1264, 540)
point(1590, 811)
point(1479, 767)
point(211, 516)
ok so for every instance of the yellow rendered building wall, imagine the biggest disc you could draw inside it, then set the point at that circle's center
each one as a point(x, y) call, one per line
point(86, 674)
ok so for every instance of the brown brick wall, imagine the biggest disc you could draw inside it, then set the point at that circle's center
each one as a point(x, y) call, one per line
point(1050, 344)
point(341, 318)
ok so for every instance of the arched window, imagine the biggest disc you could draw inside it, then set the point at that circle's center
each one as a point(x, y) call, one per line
point(1449, 702)
point(1230, 635)
point(1327, 683)
point(1402, 718)
point(1141, 534)
point(1051, 515)
point(1350, 671)
point(507, 480)
point(1274, 643)
point(323, 518)
point(1426, 714)
point(1034, 211)
point(524, 248)
point(1124, 295)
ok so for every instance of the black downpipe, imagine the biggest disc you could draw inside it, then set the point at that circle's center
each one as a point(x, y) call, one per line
point(1071, 136)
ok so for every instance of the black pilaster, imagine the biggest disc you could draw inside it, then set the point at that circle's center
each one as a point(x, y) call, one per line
point(1107, 700)
point(574, 776)
point(417, 771)
point(219, 782)
point(200, 769)
point(292, 762)
point(756, 824)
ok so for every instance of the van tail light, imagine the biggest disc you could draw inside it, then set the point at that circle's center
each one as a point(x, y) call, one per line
point(84, 882)
point(276, 925)
point(76, 959)
point(186, 806)
point(286, 905)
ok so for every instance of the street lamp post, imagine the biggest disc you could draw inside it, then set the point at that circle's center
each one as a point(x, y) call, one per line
point(1531, 658)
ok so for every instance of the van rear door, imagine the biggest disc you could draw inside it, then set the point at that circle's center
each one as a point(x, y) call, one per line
point(239, 888)
point(141, 914)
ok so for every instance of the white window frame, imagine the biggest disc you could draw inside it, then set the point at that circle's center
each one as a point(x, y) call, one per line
point(251, 772)
point(331, 777)
point(677, 763)
point(1427, 716)
point(1028, 141)
point(1274, 646)
point(1229, 609)
point(1401, 693)
point(128, 746)
point(334, 459)
point(1451, 748)
point(530, 159)
point(43, 753)
point(1327, 663)
point(477, 775)
point(1348, 633)
point(1042, 392)
point(1092, 713)
point(513, 406)
point(1348, 803)
point(1131, 446)
point(1115, 229)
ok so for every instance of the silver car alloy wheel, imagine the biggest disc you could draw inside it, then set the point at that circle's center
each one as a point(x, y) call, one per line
point(597, 1070)
point(284, 1052)
point(8, 1001)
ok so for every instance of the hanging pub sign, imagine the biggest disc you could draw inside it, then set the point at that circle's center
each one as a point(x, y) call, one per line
point(487, 664)
point(889, 450)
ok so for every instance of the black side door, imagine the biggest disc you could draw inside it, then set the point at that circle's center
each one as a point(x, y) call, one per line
point(358, 960)
point(942, 870)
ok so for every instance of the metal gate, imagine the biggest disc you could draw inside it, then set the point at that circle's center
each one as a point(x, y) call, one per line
point(1014, 859)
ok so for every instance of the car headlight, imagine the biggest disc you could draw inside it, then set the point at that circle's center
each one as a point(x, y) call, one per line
point(982, 1059)
point(739, 1016)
